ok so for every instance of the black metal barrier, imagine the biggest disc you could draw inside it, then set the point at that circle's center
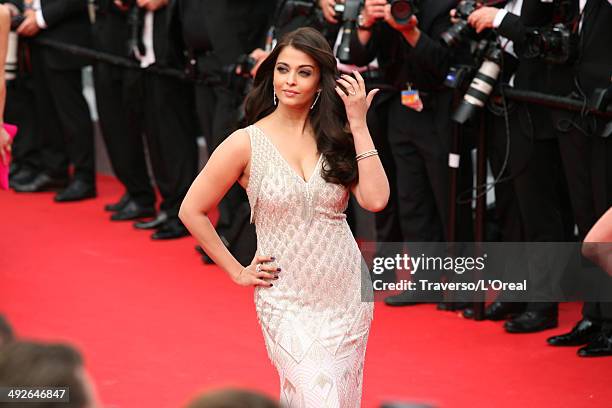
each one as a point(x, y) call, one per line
point(551, 101)
point(125, 62)
point(586, 107)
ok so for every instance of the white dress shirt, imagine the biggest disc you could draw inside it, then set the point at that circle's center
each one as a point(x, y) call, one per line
point(147, 39)
point(40, 19)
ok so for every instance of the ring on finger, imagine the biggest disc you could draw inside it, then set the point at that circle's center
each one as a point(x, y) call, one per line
point(258, 268)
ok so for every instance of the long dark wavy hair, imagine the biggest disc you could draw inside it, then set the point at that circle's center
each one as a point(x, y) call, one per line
point(327, 118)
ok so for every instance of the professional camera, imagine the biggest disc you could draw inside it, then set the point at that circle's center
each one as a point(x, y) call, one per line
point(294, 8)
point(555, 44)
point(235, 76)
point(401, 10)
point(461, 30)
point(246, 63)
point(350, 12)
point(483, 82)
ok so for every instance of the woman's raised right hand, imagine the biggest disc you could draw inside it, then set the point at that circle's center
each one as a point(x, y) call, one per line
point(258, 273)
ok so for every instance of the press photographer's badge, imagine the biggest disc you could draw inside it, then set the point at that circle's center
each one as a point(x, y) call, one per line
point(411, 99)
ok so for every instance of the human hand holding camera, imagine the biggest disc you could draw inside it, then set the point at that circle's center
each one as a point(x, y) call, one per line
point(409, 30)
point(483, 18)
point(373, 10)
point(259, 56)
point(329, 13)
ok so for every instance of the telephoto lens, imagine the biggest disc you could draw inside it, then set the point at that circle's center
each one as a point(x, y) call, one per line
point(402, 10)
point(461, 29)
point(349, 24)
point(481, 87)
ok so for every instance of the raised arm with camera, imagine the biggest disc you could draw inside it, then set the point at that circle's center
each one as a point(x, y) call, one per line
point(377, 36)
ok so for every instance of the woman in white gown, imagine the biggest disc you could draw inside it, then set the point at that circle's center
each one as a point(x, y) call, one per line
point(299, 162)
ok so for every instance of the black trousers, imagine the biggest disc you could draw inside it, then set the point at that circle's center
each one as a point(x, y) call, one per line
point(601, 172)
point(507, 209)
point(218, 111)
point(124, 142)
point(163, 107)
point(420, 144)
point(386, 221)
point(543, 172)
point(19, 111)
point(65, 123)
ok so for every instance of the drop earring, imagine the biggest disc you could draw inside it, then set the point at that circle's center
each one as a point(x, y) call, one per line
point(275, 98)
point(316, 99)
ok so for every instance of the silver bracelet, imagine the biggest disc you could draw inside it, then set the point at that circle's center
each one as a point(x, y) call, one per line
point(363, 155)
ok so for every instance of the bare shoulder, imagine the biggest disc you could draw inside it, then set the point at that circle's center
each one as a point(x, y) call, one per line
point(237, 145)
point(5, 16)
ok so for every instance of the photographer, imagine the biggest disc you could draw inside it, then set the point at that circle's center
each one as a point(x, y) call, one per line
point(217, 52)
point(503, 155)
point(553, 143)
point(25, 149)
point(163, 107)
point(419, 128)
point(63, 113)
point(215, 47)
point(593, 70)
point(386, 221)
point(124, 143)
point(288, 15)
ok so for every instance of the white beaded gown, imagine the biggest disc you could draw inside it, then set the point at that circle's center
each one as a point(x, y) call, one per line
point(316, 318)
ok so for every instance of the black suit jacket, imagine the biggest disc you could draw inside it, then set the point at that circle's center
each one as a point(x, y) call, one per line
point(110, 31)
point(235, 27)
point(594, 65)
point(424, 65)
point(591, 70)
point(68, 22)
point(534, 74)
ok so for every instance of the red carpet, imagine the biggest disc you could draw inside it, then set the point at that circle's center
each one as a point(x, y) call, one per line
point(156, 325)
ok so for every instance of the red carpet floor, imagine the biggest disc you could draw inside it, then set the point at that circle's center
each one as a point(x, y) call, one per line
point(156, 326)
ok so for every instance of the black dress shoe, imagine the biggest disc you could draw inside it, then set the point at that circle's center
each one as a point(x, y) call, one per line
point(531, 322)
point(469, 313)
point(156, 222)
point(583, 332)
point(411, 298)
point(171, 229)
point(497, 311)
point(41, 182)
point(132, 211)
point(77, 190)
point(22, 176)
point(118, 206)
point(14, 167)
point(600, 347)
point(452, 306)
